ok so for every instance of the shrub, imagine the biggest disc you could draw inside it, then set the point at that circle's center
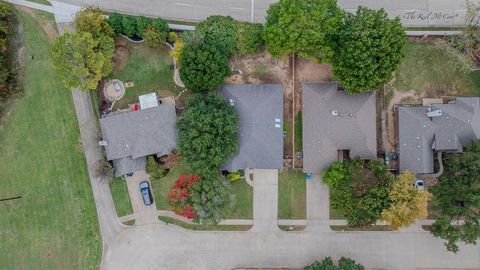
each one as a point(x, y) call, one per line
point(142, 25)
point(178, 47)
point(116, 22)
point(129, 25)
point(328, 264)
point(153, 38)
point(203, 67)
point(208, 133)
point(249, 37)
point(8, 71)
point(154, 169)
point(160, 25)
point(179, 196)
point(219, 32)
point(234, 176)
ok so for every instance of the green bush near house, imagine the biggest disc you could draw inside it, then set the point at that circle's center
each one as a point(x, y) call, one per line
point(154, 169)
point(249, 37)
point(234, 176)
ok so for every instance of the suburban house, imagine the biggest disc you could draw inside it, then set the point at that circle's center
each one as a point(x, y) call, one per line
point(129, 137)
point(424, 130)
point(260, 134)
point(336, 125)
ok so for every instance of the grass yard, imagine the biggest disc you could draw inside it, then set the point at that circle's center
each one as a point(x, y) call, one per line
point(198, 227)
point(161, 188)
point(119, 190)
point(433, 71)
point(243, 208)
point(150, 71)
point(335, 213)
point(54, 225)
point(292, 195)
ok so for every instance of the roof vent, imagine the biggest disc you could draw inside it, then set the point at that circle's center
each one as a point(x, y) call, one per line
point(102, 143)
point(435, 113)
point(232, 102)
point(334, 113)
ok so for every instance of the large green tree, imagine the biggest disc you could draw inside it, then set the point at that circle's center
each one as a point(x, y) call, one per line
point(361, 192)
point(219, 32)
point(457, 198)
point(78, 62)
point(8, 78)
point(208, 133)
point(369, 49)
point(211, 198)
point(249, 37)
point(306, 27)
point(203, 67)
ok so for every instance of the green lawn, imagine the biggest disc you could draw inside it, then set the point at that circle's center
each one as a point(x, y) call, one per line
point(292, 195)
point(335, 213)
point(54, 225)
point(243, 208)
point(119, 190)
point(160, 188)
point(149, 70)
point(43, 2)
point(433, 70)
point(198, 227)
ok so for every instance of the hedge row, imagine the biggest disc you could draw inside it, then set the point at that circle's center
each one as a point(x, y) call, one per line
point(132, 26)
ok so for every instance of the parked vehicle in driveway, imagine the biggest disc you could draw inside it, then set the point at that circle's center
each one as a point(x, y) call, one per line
point(146, 192)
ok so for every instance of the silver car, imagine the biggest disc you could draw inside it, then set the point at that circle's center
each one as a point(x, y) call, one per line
point(146, 193)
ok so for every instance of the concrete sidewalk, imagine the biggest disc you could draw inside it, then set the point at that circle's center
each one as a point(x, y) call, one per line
point(265, 200)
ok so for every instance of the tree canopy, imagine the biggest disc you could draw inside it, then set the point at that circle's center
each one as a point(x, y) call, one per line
point(306, 27)
point(457, 198)
point(328, 264)
point(407, 203)
point(249, 37)
point(219, 32)
point(211, 198)
point(203, 67)
point(91, 20)
point(208, 133)
point(360, 191)
point(8, 78)
point(370, 47)
point(82, 58)
point(78, 62)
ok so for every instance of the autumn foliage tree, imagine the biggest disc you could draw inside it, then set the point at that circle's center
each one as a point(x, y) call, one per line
point(180, 194)
point(407, 203)
point(82, 58)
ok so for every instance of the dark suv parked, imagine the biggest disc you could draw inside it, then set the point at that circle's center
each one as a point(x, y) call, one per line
point(146, 193)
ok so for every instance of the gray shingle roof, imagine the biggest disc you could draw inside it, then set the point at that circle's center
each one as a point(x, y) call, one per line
point(458, 124)
point(260, 141)
point(334, 120)
point(133, 135)
point(128, 165)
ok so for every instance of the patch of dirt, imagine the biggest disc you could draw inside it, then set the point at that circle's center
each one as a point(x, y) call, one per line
point(122, 52)
point(258, 68)
point(50, 28)
point(309, 71)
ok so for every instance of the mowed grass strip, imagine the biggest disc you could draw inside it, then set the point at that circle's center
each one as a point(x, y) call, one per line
point(292, 195)
point(120, 195)
point(54, 225)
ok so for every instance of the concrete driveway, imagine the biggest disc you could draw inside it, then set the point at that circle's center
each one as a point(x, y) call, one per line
point(265, 200)
point(143, 214)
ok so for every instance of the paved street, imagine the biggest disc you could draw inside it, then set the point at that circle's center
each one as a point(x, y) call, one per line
point(411, 12)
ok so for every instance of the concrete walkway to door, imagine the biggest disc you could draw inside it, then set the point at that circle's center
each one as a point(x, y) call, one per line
point(265, 200)
point(318, 210)
point(143, 214)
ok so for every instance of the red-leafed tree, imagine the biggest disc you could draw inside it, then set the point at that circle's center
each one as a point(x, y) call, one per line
point(179, 196)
